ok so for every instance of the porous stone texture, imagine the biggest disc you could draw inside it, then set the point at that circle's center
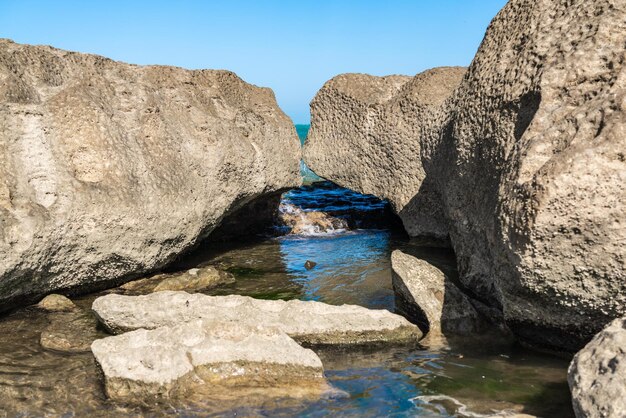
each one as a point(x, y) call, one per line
point(192, 280)
point(430, 299)
point(109, 170)
point(207, 357)
point(527, 160)
point(597, 374)
point(56, 303)
point(309, 322)
point(365, 135)
point(530, 166)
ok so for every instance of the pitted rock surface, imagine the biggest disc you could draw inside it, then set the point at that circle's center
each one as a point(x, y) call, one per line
point(109, 170)
point(365, 135)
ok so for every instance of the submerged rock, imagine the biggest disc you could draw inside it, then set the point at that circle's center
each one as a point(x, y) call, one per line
point(597, 374)
point(56, 303)
point(430, 299)
point(110, 170)
point(307, 322)
point(302, 222)
point(207, 357)
point(365, 135)
point(525, 160)
point(193, 280)
point(71, 332)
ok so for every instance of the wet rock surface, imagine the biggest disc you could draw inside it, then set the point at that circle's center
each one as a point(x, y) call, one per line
point(206, 357)
point(597, 374)
point(71, 332)
point(192, 280)
point(302, 222)
point(430, 299)
point(110, 170)
point(307, 322)
point(56, 303)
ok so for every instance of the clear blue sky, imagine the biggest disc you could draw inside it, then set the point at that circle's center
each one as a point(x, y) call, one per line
point(291, 46)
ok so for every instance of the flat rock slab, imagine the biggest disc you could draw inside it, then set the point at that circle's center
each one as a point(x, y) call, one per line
point(204, 356)
point(597, 374)
point(307, 322)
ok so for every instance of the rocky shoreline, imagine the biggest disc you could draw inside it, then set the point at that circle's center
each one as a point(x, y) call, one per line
point(110, 171)
point(519, 158)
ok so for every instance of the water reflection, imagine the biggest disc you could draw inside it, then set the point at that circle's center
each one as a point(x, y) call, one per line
point(351, 268)
point(470, 377)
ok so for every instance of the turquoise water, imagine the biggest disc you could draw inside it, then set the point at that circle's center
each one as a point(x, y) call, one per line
point(468, 377)
point(308, 176)
point(302, 131)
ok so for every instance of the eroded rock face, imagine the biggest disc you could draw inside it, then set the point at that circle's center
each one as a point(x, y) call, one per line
point(307, 322)
point(207, 357)
point(526, 158)
point(109, 170)
point(430, 299)
point(597, 374)
point(530, 166)
point(365, 135)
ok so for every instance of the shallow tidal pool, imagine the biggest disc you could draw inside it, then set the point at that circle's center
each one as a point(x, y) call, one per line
point(466, 377)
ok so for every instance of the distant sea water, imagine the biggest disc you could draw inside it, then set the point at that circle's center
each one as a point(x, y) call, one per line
point(302, 131)
point(308, 176)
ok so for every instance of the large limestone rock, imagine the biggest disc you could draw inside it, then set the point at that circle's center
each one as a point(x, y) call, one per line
point(597, 374)
point(365, 134)
point(531, 169)
point(206, 357)
point(527, 160)
point(109, 170)
point(426, 296)
point(307, 322)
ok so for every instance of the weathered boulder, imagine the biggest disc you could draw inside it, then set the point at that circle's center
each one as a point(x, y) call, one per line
point(207, 357)
point(192, 280)
point(71, 332)
point(526, 158)
point(426, 296)
point(56, 303)
point(597, 374)
point(365, 135)
point(530, 166)
point(109, 170)
point(308, 322)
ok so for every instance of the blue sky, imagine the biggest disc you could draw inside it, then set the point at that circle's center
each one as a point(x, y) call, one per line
point(291, 46)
